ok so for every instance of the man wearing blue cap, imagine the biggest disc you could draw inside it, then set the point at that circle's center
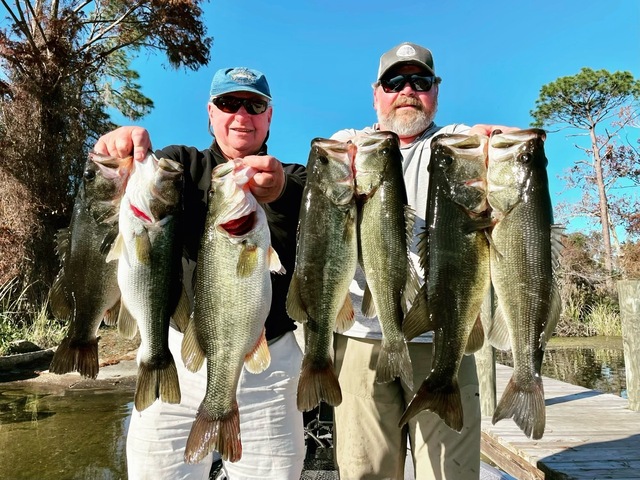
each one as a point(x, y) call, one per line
point(271, 426)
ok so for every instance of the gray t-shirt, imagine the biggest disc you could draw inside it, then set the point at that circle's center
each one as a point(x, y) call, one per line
point(415, 162)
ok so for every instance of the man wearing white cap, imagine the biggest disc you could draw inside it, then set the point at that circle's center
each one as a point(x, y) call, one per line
point(367, 440)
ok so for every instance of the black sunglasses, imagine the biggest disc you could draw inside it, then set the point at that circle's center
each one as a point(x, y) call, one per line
point(230, 104)
point(420, 83)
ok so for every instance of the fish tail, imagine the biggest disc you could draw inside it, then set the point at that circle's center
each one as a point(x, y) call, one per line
point(72, 356)
point(318, 382)
point(394, 361)
point(525, 405)
point(210, 433)
point(156, 382)
point(444, 400)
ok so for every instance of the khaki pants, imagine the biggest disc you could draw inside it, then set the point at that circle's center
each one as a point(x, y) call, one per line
point(367, 441)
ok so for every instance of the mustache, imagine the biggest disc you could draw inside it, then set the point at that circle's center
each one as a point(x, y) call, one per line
point(403, 101)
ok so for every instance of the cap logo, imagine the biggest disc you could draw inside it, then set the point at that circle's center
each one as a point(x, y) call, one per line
point(405, 51)
point(243, 76)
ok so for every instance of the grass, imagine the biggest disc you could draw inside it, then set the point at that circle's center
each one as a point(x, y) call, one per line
point(604, 319)
point(23, 320)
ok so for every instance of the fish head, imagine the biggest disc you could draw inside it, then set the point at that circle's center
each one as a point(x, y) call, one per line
point(458, 169)
point(104, 180)
point(330, 169)
point(233, 206)
point(166, 189)
point(377, 154)
point(516, 167)
point(154, 189)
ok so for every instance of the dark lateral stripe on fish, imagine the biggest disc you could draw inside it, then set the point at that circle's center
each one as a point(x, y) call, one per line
point(240, 226)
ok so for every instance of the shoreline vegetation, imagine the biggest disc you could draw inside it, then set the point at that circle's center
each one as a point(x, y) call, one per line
point(23, 320)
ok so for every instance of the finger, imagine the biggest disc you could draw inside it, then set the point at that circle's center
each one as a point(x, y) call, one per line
point(141, 143)
point(101, 146)
point(262, 163)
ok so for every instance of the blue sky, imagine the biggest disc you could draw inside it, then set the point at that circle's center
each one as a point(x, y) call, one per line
point(320, 58)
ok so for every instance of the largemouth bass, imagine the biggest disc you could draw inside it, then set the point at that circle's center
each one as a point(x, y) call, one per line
point(385, 226)
point(326, 259)
point(524, 254)
point(149, 252)
point(454, 253)
point(85, 292)
point(232, 301)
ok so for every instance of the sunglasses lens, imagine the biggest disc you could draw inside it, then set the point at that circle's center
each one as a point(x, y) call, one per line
point(418, 82)
point(421, 84)
point(255, 107)
point(393, 84)
point(233, 104)
point(227, 104)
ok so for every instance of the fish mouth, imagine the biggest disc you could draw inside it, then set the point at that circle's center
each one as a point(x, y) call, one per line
point(238, 227)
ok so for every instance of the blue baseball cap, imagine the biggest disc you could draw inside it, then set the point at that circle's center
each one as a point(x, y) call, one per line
point(239, 79)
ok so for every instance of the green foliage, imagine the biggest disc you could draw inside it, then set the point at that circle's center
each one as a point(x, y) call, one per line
point(604, 319)
point(603, 105)
point(585, 99)
point(63, 66)
point(22, 320)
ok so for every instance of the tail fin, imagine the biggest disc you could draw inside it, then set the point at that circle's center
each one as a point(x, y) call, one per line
point(318, 382)
point(445, 400)
point(394, 361)
point(210, 432)
point(72, 356)
point(156, 382)
point(525, 405)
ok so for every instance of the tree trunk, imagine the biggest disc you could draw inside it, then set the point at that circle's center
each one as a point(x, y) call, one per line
point(604, 211)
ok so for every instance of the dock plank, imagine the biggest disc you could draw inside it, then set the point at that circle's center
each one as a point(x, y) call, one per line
point(588, 435)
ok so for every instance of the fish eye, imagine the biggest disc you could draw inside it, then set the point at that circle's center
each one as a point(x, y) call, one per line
point(448, 160)
point(322, 159)
point(525, 157)
point(89, 174)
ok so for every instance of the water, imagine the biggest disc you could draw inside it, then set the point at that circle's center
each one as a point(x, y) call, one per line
point(55, 432)
point(596, 363)
point(50, 433)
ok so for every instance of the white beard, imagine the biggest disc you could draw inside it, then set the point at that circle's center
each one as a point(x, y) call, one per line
point(408, 124)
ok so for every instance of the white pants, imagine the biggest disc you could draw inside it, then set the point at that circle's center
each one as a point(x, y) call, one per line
point(271, 427)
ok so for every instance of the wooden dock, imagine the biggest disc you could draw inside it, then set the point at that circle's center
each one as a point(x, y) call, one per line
point(588, 435)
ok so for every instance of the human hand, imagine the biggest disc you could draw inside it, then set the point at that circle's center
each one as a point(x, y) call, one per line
point(482, 129)
point(125, 141)
point(267, 184)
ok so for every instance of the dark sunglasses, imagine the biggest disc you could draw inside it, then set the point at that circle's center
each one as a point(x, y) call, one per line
point(229, 104)
point(420, 83)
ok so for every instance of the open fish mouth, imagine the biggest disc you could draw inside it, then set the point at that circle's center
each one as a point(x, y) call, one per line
point(239, 227)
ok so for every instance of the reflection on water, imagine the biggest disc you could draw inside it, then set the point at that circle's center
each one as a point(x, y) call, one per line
point(74, 434)
point(49, 433)
point(594, 363)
